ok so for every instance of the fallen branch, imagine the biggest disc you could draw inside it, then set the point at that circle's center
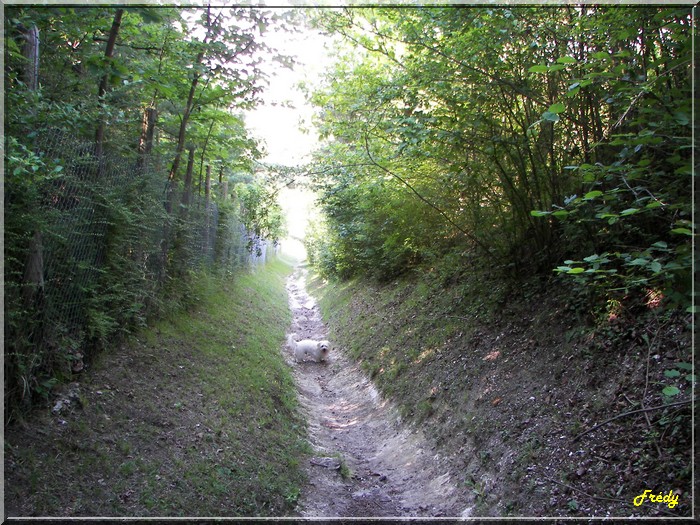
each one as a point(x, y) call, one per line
point(605, 498)
point(631, 412)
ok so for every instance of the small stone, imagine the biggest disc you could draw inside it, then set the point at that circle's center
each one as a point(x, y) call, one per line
point(330, 463)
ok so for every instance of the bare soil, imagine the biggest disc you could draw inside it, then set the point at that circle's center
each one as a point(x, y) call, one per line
point(367, 462)
point(519, 394)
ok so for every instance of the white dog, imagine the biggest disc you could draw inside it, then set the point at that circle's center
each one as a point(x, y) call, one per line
point(317, 350)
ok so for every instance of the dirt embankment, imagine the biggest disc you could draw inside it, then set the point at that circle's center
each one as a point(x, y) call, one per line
point(538, 405)
point(366, 463)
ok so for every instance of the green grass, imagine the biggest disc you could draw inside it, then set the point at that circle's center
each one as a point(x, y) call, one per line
point(196, 416)
point(391, 329)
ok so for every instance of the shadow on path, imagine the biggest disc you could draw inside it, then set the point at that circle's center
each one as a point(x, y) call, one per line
point(394, 471)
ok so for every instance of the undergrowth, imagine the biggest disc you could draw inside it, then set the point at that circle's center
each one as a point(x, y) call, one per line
point(195, 416)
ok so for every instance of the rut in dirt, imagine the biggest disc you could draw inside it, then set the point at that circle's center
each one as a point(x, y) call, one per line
point(392, 470)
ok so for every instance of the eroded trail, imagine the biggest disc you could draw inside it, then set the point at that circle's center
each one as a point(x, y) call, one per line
point(393, 470)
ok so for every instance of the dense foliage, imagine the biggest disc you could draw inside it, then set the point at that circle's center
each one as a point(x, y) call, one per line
point(526, 138)
point(124, 143)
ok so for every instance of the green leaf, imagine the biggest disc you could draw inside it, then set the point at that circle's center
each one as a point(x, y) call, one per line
point(628, 211)
point(671, 391)
point(550, 117)
point(560, 213)
point(684, 231)
point(655, 267)
point(682, 118)
point(557, 108)
point(593, 194)
point(537, 213)
point(691, 378)
point(566, 60)
point(684, 366)
point(639, 261)
point(574, 271)
point(539, 69)
point(672, 373)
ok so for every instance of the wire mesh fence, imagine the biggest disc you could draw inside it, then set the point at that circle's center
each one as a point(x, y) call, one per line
point(94, 252)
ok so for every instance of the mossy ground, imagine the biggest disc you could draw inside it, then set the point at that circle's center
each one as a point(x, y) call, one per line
point(194, 416)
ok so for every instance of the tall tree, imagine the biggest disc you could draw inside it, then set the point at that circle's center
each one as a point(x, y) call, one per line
point(104, 85)
point(225, 67)
point(486, 115)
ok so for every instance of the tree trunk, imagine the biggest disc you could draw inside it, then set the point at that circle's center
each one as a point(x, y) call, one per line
point(102, 89)
point(187, 192)
point(172, 176)
point(148, 126)
point(33, 278)
point(207, 191)
point(224, 191)
point(33, 287)
point(223, 184)
point(202, 157)
point(31, 53)
point(208, 214)
point(181, 231)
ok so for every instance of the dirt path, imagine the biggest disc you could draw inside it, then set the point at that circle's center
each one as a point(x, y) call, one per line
point(393, 469)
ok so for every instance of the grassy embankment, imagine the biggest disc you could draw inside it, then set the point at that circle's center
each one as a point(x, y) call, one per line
point(505, 378)
point(195, 416)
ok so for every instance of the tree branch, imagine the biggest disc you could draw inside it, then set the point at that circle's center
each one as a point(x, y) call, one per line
point(631, 412)
point(122, 44)
point(602, 498)
point(426, 201)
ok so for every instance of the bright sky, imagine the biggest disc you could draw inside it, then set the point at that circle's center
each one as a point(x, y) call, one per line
point(280, 127)
point(283, 123)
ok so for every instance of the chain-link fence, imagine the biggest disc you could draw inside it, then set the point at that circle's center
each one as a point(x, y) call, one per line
point(94, 253)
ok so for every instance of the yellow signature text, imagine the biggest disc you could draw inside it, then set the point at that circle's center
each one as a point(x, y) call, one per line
point(670, 499)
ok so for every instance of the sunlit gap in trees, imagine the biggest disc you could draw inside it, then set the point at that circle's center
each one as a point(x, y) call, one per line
point(298, 207)
point(283, 124)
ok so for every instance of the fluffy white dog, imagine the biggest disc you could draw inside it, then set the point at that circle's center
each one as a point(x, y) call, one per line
point(316, 350)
